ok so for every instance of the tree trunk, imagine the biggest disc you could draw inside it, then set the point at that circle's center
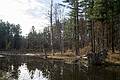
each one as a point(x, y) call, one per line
point(52, 50)
point(76, 27)
point(112, 33)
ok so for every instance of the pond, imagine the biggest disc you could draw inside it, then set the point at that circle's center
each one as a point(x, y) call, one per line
point(34, 68)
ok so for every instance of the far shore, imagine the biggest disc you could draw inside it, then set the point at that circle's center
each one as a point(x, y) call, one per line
point(112, 59)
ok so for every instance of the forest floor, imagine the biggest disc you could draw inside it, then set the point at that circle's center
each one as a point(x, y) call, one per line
point(69, 56)
point(113, 58)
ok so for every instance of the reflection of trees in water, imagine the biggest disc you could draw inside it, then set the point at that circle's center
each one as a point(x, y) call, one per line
point(33, 65)
point(9, 67)
point(50, 69)
point(78, 74)
point(55, 70)
point(103, 73)
point(15, 62)
point(73, 72)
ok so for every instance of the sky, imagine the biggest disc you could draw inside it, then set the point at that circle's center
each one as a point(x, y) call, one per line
point(27, 13)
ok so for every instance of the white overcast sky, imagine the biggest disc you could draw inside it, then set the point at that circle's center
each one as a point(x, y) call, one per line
point(27, 13)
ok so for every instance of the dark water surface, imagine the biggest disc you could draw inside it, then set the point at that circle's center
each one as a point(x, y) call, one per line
point(33, 68)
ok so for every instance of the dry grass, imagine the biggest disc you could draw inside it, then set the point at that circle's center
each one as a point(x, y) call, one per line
point(113, 57)
point(69, 56)
point(68, 53)
point(85, 50)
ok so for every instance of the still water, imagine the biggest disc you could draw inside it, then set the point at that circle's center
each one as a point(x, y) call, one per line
point(33, 68)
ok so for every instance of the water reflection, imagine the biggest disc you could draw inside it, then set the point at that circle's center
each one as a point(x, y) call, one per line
point(24, 74)
point(33, 68)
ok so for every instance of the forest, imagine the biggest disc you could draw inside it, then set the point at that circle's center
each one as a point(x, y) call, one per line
point(91, 26)
point(80, 42)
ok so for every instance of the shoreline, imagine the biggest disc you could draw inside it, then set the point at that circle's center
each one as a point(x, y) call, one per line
point(112, 59)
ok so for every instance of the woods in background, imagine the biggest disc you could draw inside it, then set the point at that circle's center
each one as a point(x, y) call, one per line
point(10, 36)
point(94, 23)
